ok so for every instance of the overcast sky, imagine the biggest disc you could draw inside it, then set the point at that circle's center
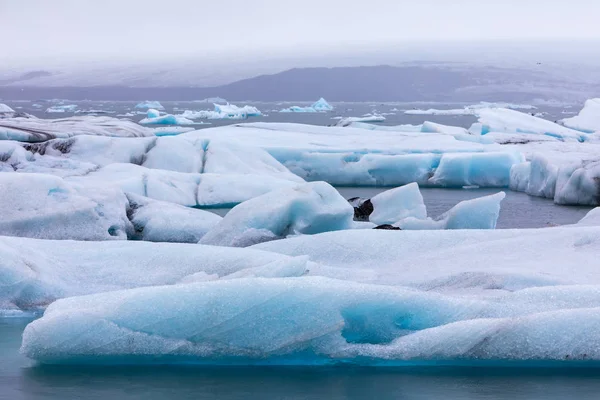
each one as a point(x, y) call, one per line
point(47, 29)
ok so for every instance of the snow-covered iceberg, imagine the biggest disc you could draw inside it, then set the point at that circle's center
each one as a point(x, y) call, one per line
point(510, 121)
point(150, 104)
point(588, 119)
point(4, 109)
point(47, 207)
point(307, 209)
point(39, 130)
point(159, 221)
point(35, 272)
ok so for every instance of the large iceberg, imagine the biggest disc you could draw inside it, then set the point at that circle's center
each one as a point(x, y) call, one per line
point(39, 130)
point(4, 109)
point(307, 209)
point(150, 104)
point(349, 157)
point(315, 321)
point(365, 118)
point(510, 121)
point(159, 221)
point(588, 119)
point(47, 207)
point(34, 272)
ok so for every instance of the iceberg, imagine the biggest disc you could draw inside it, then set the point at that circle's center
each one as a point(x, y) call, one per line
point(4, 109)
point(366, 118)
point(166, 119)
point(152, 113)
point(225, 111)
point(306, 209)
point(588, 119)
point(592, 218)
point(47, 207)
point(159, 221)
point(150, 104)
point(470, 110)
point(315, 321)
point(35, 272)
point(39, 130)
point(320, 105)
point(480, 213)
point(349, 157)
point(510, 121)
point(62, 108)
point(397, 204)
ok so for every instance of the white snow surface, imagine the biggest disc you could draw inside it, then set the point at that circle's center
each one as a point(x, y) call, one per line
point(5, 109)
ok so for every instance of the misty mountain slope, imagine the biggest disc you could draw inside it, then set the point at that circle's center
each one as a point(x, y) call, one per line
point(416, 82)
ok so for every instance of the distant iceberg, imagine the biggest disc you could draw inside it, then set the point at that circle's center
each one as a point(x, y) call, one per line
point(153, 117)
point(62, 109)
point(223, 111)
point(211, 100)
point(150, 104)
point(320, 105)
point(5, 109)
point(364, 118)
point(588, 119)
point(470, 110)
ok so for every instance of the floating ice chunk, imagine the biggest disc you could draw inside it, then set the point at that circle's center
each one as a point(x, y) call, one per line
point(366, 118)
point(396, 204)
point(588, 119)
point(152, 113)
point(150, 104)
point(314, 321)
point(231, 111)
point(224, 111)
point(158, 221)
point(167, 119)
point(62, 108)
point(39, 130)
point(432, 127)
point(307, 209)
point(433, 111)
point(4, 109)
point(322, 105)
point(175, 130)
point(47, 207)
point(211, 100)
point(510, 121)
point(36, 272)
point(480, 213)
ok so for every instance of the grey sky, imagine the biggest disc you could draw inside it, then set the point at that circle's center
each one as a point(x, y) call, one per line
point(130, 29)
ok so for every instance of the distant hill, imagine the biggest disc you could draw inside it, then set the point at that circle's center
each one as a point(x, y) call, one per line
point(427, 82)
